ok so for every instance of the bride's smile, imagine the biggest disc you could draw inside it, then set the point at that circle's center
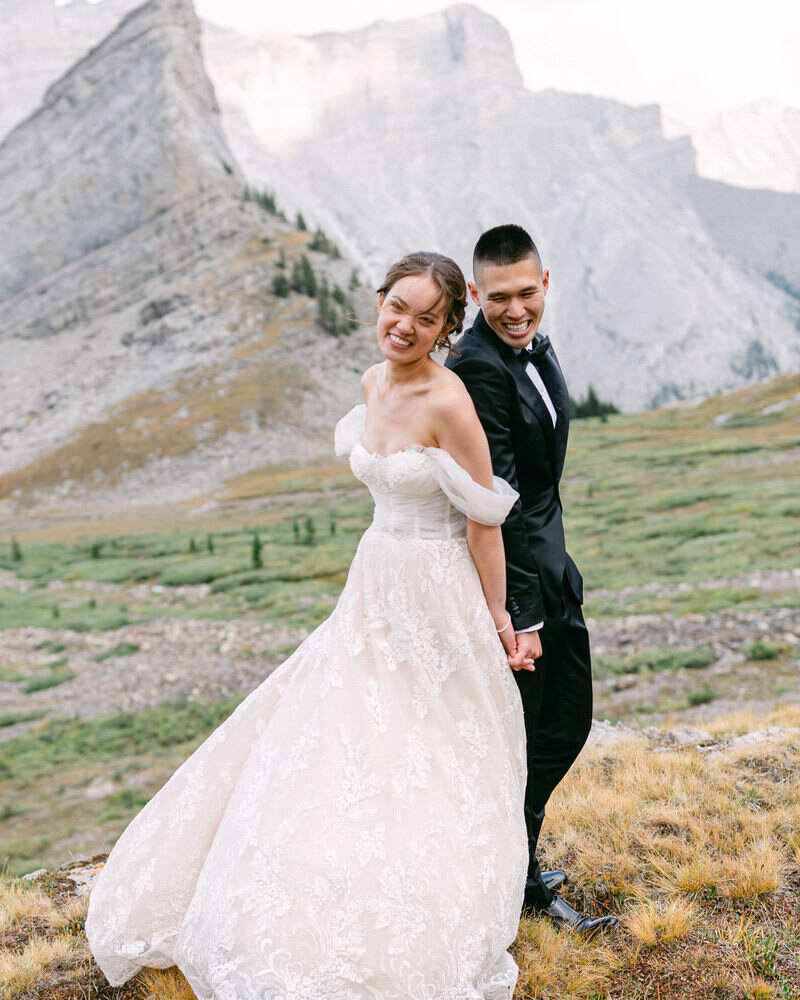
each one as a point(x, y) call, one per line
point(410, 319)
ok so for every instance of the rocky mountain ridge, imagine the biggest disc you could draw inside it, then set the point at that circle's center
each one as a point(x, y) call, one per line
point(754, 145)
point(645, 304)
point(139, 286)
point(141, 324)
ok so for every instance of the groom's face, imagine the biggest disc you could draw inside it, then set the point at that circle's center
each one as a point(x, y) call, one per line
point(512, 298)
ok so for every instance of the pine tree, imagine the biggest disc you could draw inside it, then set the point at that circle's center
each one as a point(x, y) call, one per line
point(300, 223)
point(303, 278)
point(256, 551)
point(308, 277)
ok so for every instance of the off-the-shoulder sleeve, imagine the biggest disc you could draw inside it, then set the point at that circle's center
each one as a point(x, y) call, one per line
point(350, 430)
point(477, 502)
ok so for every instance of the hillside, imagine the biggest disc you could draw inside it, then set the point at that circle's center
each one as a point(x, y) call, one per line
point(146, 346)
point(128, 634)
point(684, 522)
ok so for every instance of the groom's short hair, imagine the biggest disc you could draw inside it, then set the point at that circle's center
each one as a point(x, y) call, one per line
point(504, 245)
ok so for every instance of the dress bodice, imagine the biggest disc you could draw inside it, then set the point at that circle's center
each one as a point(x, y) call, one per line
point(420, 492)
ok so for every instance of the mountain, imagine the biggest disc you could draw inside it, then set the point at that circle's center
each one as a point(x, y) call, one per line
point(755, 145)
point(142, 339)
point(130, 131)
point(756, 227)
point(39, 41)
point(420, 134)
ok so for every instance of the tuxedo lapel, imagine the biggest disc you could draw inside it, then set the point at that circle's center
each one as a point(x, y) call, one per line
point(556, 386)
point(527, 390)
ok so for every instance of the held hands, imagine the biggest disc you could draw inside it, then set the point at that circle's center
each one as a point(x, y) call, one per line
point(529, 649)
point(522, 649)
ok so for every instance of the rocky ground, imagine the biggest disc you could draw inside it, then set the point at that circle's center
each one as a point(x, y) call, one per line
point(204, 658)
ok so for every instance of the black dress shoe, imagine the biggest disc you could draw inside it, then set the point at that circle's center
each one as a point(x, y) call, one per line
point(563, 914)
point(554, 879)
point(540, 890)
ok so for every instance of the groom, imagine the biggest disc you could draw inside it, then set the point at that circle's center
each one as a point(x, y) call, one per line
point(516, 384)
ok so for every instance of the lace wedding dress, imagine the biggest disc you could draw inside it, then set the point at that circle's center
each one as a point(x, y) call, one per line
point(355, 830)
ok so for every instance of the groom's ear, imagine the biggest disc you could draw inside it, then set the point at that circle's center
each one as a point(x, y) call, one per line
point(473, 293)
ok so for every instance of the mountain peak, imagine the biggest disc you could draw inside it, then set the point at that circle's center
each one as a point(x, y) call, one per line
point(132, 128)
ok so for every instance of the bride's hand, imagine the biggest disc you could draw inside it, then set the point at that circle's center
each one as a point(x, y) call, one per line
point(529, 649)
point(505, 633)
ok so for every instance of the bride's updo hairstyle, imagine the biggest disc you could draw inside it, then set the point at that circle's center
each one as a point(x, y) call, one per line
point(447, 277)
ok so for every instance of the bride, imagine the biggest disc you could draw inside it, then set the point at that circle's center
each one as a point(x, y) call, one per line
point(355, 830)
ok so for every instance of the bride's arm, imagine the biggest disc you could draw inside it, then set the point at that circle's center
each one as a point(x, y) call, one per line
point(458, 432)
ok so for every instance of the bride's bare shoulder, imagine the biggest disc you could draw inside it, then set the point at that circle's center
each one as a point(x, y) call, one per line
point(449, 396)
point(368, 380)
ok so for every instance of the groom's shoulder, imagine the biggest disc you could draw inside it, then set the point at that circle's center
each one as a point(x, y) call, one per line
point(475, 350)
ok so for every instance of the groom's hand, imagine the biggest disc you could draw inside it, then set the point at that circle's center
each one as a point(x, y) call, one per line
point(529, 649)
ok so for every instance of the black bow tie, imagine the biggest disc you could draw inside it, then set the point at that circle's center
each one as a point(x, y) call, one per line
point(538, 349)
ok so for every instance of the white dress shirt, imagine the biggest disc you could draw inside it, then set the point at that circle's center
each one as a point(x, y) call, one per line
point(533, 374)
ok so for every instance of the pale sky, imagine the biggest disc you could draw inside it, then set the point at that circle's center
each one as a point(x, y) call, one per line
point(695, 57)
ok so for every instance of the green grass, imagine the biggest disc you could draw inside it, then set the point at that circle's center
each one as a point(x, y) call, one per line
point(121, 649)
point(13, 718)
point(314, 573)
point(653, 660)
point(702, 696)
point(43, 774)
point(762, 650)
point(108, 738)
point(41, 682)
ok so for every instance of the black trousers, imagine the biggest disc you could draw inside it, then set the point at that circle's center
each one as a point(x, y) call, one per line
point(557, 704)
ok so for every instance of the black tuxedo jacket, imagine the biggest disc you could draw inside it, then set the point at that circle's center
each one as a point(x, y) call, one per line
point(528, 452)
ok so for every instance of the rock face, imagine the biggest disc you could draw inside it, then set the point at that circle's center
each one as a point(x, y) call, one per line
point(420, 134)
point(758, 228)
point(401, 135)
point(756, 145)
point(39, 41)
point(130, 131)
point(141, 338)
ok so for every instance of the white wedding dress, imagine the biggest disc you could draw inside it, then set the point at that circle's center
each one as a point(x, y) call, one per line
point(355, 830)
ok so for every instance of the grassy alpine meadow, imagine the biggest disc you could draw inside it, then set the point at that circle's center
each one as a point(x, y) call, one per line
point(696, 850)
point(126, 637)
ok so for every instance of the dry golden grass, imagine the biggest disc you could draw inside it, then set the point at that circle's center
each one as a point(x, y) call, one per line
point(169, 422)
point(754, 988)
point(558, 964)
point(20, 903)
point(748, 721)
point(679, 820)
point(164, 984)
point(20, 971)
point(697, 853)
point(651, 922)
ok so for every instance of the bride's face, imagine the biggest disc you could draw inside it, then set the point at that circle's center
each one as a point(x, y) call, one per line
point(411, 317)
